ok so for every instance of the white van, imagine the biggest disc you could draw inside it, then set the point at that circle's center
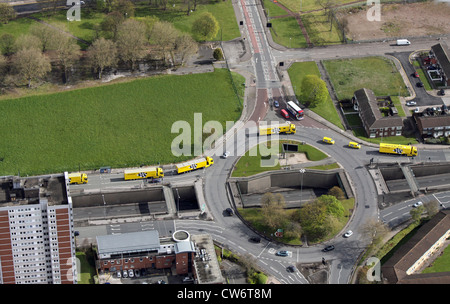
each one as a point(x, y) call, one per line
point(403, 42)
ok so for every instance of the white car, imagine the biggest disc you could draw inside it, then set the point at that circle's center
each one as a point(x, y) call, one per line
point(119, 274)
point(226, 154)
point(416, 110)
point(417, 204)
point(411, 103)
point(348, 234)
point(131, 273)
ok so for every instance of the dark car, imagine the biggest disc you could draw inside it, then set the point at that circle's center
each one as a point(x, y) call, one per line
point(290, 268)
point(229, 211)
point(442, 92)
point(419, 84)
point(276, 103)
point(328, 248)
point(255, 239)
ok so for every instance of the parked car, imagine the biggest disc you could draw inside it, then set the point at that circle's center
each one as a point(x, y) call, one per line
point(442, 92)
point(416, 75)
point(348, 234)
point(417, 204)
point(130, 273)
point(282, 253)
point(188, 279)
point(284, 113)
point(417, 110)
point(328, 248)
point(125, 274)
point(276, 103)
point(137, 273)
point(119, 274)
point(420, 84)
point(226, 154)
point(411, 103)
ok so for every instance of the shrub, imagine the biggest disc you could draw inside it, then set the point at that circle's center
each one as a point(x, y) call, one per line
point(217, 54)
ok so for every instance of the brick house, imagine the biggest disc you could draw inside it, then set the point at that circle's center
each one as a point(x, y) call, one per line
point(433, 126)
point(405, 266)
point(374, 123)
point(440, 57)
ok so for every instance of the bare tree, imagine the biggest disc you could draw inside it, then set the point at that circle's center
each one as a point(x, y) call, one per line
point(102, 54)
point(27, 41)
point(185, 46)
point(131, 41)
point(31, 64)
point(164, 36)
point(7, 13)
point(68, 53)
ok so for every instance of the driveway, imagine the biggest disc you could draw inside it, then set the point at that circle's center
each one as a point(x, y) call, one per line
point(422, 97)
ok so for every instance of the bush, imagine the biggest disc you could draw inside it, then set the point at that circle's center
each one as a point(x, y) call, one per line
point(217, 54)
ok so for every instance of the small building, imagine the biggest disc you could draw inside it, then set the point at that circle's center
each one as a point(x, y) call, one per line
point(373, 120)
point(146, 250)
point(405, 266)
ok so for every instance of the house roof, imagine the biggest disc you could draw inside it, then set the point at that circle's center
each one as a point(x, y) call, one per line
point(394, 270)
point(128, 242)
point(433, 121)
point(442, 54)
point(368, 107)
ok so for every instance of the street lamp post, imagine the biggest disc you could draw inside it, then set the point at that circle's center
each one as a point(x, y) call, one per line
point(302, 171)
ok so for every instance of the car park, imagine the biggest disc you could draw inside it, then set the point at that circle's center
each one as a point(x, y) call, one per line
point(354, 145)
point(283, 253)
point(328, 248)
point(348, 234)
point(328, 140)
point(417, 204)
point(411, 103)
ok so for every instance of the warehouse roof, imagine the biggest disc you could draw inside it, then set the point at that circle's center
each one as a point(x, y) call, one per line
point(128, 243)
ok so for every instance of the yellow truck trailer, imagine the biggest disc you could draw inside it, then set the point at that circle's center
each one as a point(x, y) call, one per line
point(286, 127)
point(195, 164)
point(148, 172)
point(398, 149)
point(77, 178)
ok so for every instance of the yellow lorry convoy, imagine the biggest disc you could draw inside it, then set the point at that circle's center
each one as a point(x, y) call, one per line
point(195, 164)
point(398, 149)
point(149, 172)
point(286, 127)
point(77, 178)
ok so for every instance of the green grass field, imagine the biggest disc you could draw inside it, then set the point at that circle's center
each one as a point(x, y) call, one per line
point(378, 74)
point(85, 28)
point(119, 125)
point(297, 71)
point(286, 31)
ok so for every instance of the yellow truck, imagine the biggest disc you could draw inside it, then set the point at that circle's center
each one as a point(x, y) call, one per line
point(149, 172)
point(398, 149)
point(77, 178)
point(286, 127)
point(195, 164)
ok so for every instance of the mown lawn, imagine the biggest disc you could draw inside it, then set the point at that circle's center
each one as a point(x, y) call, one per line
point(378, 74)
point(441, 264)
point(119, 125)
point(320, 30)
point(286, 31)
point(297, 71)
point(250, 163)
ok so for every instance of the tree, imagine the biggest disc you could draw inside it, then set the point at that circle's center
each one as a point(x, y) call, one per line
point(273, 210)
point(337, 192)
point(124, 7)
point(333, 206)
point(205, 27)
point(7, 13)
point(164, 36)
point(432, 208)
point(185, 46)
point(31, 64)
point(131, 41)
point(112, 22)
point(218, 54)
point(314, 90)
point(7, 42)
point(312, 218)
point(45, 34)
point(416, 213)
point(68, 53)
point(102, 54)
point(27, 41)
